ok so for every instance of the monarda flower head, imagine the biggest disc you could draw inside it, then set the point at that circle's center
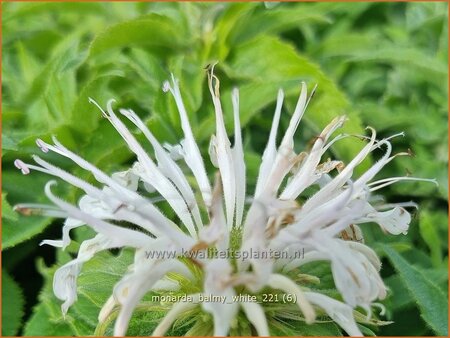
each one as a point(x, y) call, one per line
point(325, 227)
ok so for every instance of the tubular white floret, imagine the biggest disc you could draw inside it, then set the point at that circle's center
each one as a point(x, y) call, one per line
point(269, 154)
point(192, 154)
point(223, 154)
point(238, 160)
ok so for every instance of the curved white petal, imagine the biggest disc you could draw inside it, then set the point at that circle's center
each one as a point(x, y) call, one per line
point(256, 316)
point(395, 221)
point(65, 278)
point(341, 313)
point(283, 283)
point(106, 309)
point(130, 290)
point(127, 179)
point(69, 224)
point(354, 273)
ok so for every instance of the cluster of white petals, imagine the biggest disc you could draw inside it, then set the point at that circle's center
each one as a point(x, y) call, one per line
point(325, 226)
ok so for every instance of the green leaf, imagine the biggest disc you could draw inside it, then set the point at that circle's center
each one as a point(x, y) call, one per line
point(429, 231)
point(52, 92)
point(400, 295)
point(232, 15)
point(408, 56)
point(7, 211)
point(140, 32)
point(282, 64)
point(106, 148)
point(95, 285)
point(431, 300)
point(297, 328)
point(85, 115)
point(12, 305)
point(8, 143)
point(40, 325)
point(277, 20)
point(65, 55)
point(38, 9)
point(22, 228)
point(29, 66)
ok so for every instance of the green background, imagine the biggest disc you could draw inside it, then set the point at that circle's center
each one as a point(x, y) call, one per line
point(382, 64)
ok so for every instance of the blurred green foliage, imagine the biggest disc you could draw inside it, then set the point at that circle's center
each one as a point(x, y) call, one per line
point(382, 64)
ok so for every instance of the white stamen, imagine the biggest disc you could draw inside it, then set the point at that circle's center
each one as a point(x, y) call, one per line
point(166, 86)
point(39, 209)
point(99, 107)
point(388, 181)
point(42, 145)
point(22, 166)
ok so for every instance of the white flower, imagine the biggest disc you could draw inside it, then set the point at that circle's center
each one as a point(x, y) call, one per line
point(325, 226)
